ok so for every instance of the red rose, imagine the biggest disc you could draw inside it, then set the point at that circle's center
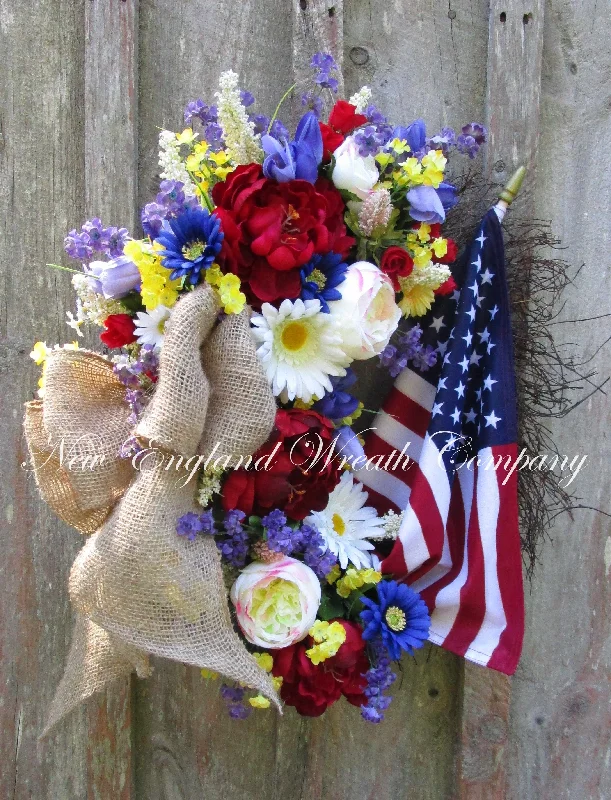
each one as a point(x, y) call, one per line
point(451, 254)
point(447, 287)
point(344, 119)
point(287, 476)
point(272, 229)
point(331, 140)
point(312, 689)
point(119, 330)
point(396, 263)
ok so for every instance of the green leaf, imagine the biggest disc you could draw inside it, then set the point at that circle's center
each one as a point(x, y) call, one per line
point(331, 606)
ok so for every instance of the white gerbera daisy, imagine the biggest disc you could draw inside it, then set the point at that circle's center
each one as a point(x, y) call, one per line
point(346, 523)
point(150, 325)
point(299, 347)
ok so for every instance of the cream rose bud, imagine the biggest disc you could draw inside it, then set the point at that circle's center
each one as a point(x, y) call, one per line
point(352, 171)
point(367, 313)
point(276, 604)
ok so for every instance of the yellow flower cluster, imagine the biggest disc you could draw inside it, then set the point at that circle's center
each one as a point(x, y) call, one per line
point(356, 579)
point(157, 288)
point(334, 574)
point(40, 353)
point(204, 165)
point(266, 662)
point(228, 288)
point(427, 172)
point(329, 637)
point(419, 288)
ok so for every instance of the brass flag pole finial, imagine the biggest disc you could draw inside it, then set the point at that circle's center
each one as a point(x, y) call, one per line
point(510, 192)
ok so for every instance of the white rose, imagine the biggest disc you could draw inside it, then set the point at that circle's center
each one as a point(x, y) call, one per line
point(352, 171)
point(367, 313)
point(276, 604)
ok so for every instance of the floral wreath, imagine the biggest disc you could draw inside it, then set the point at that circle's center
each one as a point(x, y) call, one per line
point(283, 260)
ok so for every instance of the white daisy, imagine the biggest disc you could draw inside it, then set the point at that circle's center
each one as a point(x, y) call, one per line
point(151, 325)
point(346, 523)
point(299, 347)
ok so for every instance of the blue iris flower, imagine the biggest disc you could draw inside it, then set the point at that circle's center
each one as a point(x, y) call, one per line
point(320, 278)
point(192, 240)
point(339, 403)
point(297, 159)
point(400, 617)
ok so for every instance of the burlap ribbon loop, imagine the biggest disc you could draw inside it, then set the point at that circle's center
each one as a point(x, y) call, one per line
point(139, 588)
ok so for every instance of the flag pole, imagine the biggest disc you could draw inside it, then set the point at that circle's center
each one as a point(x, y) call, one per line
point(510, 192)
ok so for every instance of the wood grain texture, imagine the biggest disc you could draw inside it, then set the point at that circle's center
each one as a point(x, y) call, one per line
point(111, 178)
point(512, 118)
point(41, 197)
point(560, 730)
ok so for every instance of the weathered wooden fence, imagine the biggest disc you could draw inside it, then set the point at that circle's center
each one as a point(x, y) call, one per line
point(85, 86)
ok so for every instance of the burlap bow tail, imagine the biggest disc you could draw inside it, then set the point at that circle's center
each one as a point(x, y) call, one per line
point(138, 588)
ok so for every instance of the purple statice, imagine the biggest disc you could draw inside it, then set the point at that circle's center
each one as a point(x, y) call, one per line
point(199, 110)
point(312, 102)
point(408, 348)
point(323, 65)
point(115, 239)
point(471, 139)
point(191, 525)
point(234, 546)
point(375, 116)
point(137, 376)
point(379, 678)
point(95, 238)
point(136, 401)
point(316, 554)
point(152, 217)
point(213, 134)
point(367, 141)
point(444, 141)
point(281, 538)
point(94, 229)
point(77, 246)
point(130, 448)
point(279, 131)
point(234, 699)
point(246, 98)
point(260, 122)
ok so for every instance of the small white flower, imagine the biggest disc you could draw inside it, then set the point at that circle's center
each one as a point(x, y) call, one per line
point(74, 323)
point(241, 142)
point(172, 165)
point(299, 347)
point(361, 99)
point(150, 326)
point(346, 523)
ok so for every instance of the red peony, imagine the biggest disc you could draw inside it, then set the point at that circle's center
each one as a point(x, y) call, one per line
point(286, 476)
point(312, 689)
point(344, 119)
point(119, 330)
point(331, 140)
point(272, 229)
point(396, 263)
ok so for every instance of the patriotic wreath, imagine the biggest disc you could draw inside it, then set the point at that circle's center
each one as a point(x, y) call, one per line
point(210, 456)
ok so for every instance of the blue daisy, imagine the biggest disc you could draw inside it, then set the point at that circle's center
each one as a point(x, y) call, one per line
point(320, 278)
point(192, 240)
point(400, 617)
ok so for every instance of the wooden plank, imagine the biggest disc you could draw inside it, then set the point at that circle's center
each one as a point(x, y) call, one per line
point(560, 723)
point(42, 181)
point(111, 176)
point(512, 119)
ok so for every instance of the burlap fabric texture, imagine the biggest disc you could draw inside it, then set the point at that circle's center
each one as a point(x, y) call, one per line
point(137, 587)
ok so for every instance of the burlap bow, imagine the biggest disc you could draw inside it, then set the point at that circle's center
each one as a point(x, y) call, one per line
point(137, 587)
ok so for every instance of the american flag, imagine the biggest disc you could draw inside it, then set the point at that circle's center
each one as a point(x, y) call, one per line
point(458, 543)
